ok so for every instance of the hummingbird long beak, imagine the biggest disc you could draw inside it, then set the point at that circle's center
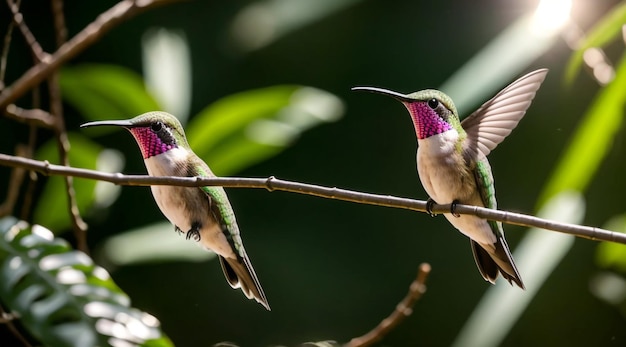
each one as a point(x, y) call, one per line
point(395, 95)
point(119, 123)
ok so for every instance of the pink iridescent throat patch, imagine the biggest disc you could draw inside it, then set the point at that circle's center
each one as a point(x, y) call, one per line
point(149, 142)
point(426, 121)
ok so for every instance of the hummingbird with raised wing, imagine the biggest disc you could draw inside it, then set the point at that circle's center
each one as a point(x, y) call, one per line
point(452, 161)
point(201, 213)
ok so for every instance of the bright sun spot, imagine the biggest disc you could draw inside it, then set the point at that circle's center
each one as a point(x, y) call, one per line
point(551, 16)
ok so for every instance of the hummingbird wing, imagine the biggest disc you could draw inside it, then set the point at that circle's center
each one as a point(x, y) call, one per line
point(495, 258)
point(238, 272)
point(496, 118)
point(486, 128)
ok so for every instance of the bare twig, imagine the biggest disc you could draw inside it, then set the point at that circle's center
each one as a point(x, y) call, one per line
point(38, 52)
point(7, 318)
point(59, 22)
point(402, 311)
point(272, 184)
point(32, 176)
point(32, 142)
point(63, 143)
point(36, 116)
point(5, 50)
point(15, 182)
point(90, 34)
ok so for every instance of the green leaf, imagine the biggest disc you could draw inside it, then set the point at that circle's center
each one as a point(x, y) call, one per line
point(611, 254)
point(62, 298)
point(154, 243)
point(592, 140)
point(606, 30)
point(52, 207)
point(274, 19)
point(105, 91)
point(167, 69)
point(245, 128)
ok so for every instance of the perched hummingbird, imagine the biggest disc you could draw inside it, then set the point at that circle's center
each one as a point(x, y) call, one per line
point(452, 161)
point(203, 213)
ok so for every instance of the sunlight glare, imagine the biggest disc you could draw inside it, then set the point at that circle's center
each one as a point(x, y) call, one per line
point(551, 16)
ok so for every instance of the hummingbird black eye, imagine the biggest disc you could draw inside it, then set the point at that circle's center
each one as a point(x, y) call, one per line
point(433, 103)
point(156, 126)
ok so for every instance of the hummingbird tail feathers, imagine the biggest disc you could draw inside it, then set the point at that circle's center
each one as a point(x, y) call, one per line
point(499, 261)
point(240, 274)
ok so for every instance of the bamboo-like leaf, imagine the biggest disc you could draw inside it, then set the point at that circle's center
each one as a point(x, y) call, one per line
point(613, 255)
point(606, 30)
point(592, 139)
point(62, 298)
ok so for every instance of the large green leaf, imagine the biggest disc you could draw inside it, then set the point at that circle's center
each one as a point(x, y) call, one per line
point(105, 91)
point(245, 128)
point(62, 297)
point(607, 29)
point(151, 243)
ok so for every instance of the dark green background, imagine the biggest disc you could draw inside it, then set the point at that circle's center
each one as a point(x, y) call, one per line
point(333, 270)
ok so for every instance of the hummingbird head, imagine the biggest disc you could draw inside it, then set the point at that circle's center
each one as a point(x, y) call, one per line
point(432, 111)
point(155, 132)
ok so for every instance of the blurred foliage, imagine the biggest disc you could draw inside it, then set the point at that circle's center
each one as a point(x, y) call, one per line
point(101, 91)
point(595, 137)
point(592, 140)
point(152, 243)
point(245, 128)
point(234, 132)
point(315, 257)
point(606, 30)
point(167, 70)
point(62, 297)
point(51, 209)
point(602, 121)
point(613, 255)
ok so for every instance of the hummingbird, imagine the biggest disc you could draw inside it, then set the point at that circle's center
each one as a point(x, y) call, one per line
point(452, 161)
point(201, 213)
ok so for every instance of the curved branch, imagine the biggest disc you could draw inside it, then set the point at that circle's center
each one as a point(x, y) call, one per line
point(402, 311)
point(90, 34)
point(272, 184)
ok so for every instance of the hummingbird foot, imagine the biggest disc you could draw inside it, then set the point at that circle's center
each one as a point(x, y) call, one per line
point(177, 229)
point(194, 232)
point(453, 208)
point(429, 207)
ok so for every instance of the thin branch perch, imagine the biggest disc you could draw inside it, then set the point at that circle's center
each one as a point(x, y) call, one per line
point(272, 184)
